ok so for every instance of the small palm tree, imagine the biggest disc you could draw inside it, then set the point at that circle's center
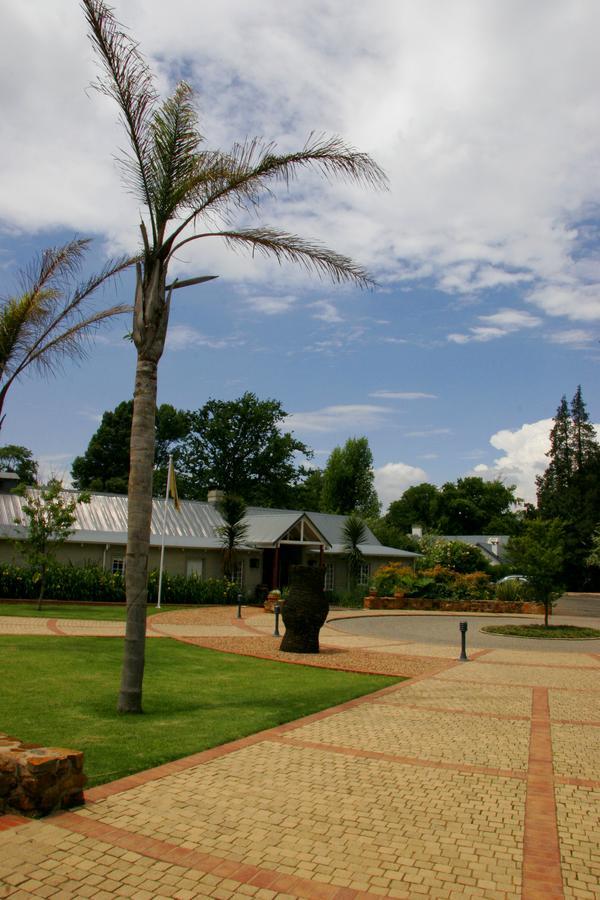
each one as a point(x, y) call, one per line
point(354, 533)
point(233, 532)
point(189, 193)
point(50, 320)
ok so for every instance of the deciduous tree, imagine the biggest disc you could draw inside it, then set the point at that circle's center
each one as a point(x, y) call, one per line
point(17, 459)
point(538, 553)
point(349, 480)
point(48, 517)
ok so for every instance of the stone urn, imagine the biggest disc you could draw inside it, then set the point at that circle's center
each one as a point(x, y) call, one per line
point(273, 597)
point(305, 610)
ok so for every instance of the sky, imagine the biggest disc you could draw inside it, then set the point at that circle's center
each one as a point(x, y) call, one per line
point(485, 248)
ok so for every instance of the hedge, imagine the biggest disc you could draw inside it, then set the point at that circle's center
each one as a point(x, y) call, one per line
point(91, 583)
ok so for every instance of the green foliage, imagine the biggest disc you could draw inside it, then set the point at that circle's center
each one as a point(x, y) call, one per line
point(306, 493)
point(453, 554)
point(354, 533)
point(92, 584)
point(569, 489)
point(17, 459)
point(239, 447)
point(436, 583)
point(538, 553)
point(51, 319)
point(348, 480)
point(390, 535)
point(233, 532)
point(593, 558)
point(511, 590)
point(105, 464)
point(48, 516)
point(353, 598)
point(469, 506)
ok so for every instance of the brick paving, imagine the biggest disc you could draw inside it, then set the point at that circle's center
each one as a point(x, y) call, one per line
point(478, 779)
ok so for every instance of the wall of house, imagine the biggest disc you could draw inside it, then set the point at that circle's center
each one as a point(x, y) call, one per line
point(178, 561)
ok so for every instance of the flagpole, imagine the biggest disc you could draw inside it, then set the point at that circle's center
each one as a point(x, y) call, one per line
point(164, 528)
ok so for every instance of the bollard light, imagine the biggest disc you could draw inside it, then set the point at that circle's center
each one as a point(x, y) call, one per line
point(277, 610)
point(239, 602)
point(463, 640)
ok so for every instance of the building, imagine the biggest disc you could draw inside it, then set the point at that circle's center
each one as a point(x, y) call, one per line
point(276, 540)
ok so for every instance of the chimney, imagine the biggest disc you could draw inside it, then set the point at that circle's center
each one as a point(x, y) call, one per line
point(493, 542)
point(8, 481)
point(215, 496)
point(416, 531)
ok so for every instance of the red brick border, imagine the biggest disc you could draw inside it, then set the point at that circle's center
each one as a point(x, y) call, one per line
point(542, 875)
point(243, 873)
point(12, 821)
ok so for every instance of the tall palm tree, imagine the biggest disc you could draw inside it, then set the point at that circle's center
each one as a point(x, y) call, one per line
point(354, 533)
point(49, 320)
point(189, 193)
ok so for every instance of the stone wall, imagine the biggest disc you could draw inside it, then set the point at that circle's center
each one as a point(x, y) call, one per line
point(35, 780)
point(423, 603)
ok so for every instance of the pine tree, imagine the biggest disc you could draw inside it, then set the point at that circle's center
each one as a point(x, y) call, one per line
point(554, 483)
point(584, 444)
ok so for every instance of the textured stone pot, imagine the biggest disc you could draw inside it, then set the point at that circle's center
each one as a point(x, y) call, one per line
point(305, 610)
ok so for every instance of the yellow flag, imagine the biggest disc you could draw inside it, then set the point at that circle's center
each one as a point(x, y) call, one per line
point(173, 487)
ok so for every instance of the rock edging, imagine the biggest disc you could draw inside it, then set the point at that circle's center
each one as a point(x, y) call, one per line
point(36, 780)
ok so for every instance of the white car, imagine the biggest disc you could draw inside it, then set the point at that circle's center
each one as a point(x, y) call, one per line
point(512, 578)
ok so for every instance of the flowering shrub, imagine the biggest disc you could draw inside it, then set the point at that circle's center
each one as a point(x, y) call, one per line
point(454, 555)
point(437, 583)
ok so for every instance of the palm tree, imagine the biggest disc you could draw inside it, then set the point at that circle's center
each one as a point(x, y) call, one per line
point(233, 532)
point(49, 320)
point(354, 533)
point(189, 193)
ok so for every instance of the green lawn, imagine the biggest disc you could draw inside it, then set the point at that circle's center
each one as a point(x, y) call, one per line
point(550, 632)
point(63, 692)
point(50, 610)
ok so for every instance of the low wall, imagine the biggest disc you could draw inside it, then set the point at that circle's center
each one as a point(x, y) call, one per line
point(35, 780)
point(423, 603)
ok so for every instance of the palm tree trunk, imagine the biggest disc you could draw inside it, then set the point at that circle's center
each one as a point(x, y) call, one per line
point(138, 533)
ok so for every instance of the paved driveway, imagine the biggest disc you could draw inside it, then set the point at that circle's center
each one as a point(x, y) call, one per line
point(440, 629)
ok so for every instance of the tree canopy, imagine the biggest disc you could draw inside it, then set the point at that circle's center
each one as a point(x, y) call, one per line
point(569, 489)
point(105, 464)
point(349, 480)
point(470, 505)
point(17, 459)
point(240, 447)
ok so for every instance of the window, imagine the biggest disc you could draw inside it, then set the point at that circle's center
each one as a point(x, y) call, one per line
point(194, 567)
point(237, 573)
point(118, 565)
point(329, 577)
point(364, 573)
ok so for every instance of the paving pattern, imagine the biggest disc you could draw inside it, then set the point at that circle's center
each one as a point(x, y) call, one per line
point(478, 780)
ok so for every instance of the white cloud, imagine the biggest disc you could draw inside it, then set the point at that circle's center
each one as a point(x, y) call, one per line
point(497, 325)
point(186, 337)
point(428, 88)
point(392, 479)
point(575, 337)
point(271, 305)
point(351, 417)
point(403, 395)
point(326, 311)
point(524, 456)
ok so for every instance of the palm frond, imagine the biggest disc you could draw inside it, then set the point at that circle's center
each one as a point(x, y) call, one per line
point(175, 153)
point(130, 83)
point(286, 247)
point(239, 179)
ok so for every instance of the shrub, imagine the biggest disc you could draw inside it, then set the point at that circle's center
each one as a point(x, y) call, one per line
point(511, 591)
point(350, 599)
point(437, 583)
point(456, 555)
point(91, 583)
point(388, 578)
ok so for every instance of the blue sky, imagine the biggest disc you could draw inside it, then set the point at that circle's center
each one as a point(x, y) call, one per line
point(485, 117)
